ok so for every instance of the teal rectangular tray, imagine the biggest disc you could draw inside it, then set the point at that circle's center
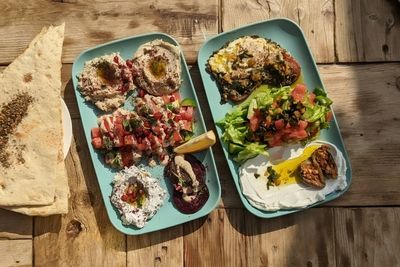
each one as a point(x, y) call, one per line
point(290, 36)
point(168, 215)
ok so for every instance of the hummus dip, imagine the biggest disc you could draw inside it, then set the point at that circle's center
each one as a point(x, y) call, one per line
point(157, 67)
point(288, 194)
point(105, 81)
point(137, 196)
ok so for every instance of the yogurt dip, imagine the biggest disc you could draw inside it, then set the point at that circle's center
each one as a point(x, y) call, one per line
point(290, 193)
point(137, 196)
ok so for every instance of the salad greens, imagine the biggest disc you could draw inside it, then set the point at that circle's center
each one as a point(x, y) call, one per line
point(274, 116)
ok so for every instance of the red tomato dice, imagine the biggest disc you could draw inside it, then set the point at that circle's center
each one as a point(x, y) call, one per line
point(96, 132)
point(254, 123)
point(186, 113)
point(177, 137)
point(187, 125)
point(119, 119)
point(129, 140)
point(119, 130)
point(97, 142)
point(299, 92)
point(157, 115)
point(141, 146)
point(279, 124)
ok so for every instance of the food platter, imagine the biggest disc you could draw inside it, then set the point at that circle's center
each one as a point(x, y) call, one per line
point(290, 36)
point(167, 215)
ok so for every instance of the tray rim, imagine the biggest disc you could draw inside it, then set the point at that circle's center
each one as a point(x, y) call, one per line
point(253, 210)
point(125, 229)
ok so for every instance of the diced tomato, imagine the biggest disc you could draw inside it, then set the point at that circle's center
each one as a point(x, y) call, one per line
point(129, 140)
point(276, 139)
point(186, 113)
point(118, 141)
point(157, 129)
point(302, 125)
point(141, 146)
point(171, 97)
point(311, 98)
point(119, 119)
point(106, 125)
point(146, 124)
point(279, 124)
point(96, 132)
point(297, 134)
point(97, 142)
point(187, 125)
point(119, 130)
point(177, 137)
point(299, 92)
point(254, 123)
point(124, 198)
point(127, 157)
point(157, 115)
point(177, 117)
point(329, 116)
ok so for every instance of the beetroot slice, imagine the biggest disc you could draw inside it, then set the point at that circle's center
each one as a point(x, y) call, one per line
point(202, 196)
point(193, 206)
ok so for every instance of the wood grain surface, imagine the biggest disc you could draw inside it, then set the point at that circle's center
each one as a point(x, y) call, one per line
point(89, 23)
point(316, 18)
point(15, 226)
point(367, 237)
point(367, 30)
point(349, 231)
point(16, 253)
point(85, 236)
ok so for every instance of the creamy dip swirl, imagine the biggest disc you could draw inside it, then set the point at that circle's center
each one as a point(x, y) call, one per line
point(131, 214)
point(295, 195)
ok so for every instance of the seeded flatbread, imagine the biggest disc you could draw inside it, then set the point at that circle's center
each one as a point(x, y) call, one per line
point(60, 204)
point(28, 154)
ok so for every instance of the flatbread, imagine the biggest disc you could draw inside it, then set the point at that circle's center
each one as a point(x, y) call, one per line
point(60, 204)
point(37, 72)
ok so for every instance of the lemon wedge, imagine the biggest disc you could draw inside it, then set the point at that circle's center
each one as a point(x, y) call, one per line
point(197, 143)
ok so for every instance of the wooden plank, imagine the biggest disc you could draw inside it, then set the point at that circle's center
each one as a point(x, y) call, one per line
point(366, 104)
point(84, 236)
point(89, 23)
point(301, 239)
point(16, 253)
point(367, 30)
point(14, 225)
point(234, 237)
point(214, 241)
point(367, 236)
point(316, 18)
point(161, 248)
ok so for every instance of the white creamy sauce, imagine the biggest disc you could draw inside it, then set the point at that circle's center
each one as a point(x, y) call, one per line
point(184, 164)
point(290, 195)
point(131, 215)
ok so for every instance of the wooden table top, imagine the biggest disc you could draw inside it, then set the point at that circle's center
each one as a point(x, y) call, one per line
point(357, 46)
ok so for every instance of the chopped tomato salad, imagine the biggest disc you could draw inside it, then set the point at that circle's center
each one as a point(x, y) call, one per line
point(275, 116)
point(150, 131)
